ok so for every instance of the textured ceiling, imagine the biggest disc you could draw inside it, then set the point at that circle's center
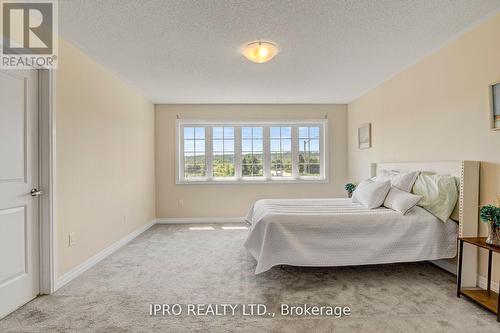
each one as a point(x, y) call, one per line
point(187, 51)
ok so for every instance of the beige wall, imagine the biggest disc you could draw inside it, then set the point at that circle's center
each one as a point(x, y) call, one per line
point(104, 157)
point(437, 109)
point(234, 200)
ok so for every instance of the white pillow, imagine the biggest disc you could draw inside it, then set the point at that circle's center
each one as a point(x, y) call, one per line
point(402, 180)
point(371, 194)
point(401, 201)
point(440, 194)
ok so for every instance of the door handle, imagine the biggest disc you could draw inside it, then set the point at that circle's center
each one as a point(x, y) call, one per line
point(35, 192)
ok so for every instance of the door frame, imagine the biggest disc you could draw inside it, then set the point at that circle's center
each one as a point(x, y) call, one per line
point(47, 163)
point(46, 179)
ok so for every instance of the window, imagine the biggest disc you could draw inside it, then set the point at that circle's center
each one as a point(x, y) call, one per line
point(253, 152)
point(281, 151)
point(309, 154)
point(194, 152)
point(223, 151)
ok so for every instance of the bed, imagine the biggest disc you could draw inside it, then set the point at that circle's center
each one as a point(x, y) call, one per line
point(337, 232)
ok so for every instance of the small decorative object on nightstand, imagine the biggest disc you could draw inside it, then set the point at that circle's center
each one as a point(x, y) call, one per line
point(491, 215)
point(487, 298)
point(350, 187)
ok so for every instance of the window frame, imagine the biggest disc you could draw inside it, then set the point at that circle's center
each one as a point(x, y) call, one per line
point(208, 124)
point(240, 156)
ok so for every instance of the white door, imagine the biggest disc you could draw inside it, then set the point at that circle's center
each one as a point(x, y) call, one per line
point(19, 243)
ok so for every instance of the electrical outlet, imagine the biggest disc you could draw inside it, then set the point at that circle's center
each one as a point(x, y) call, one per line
point(72, 239)
point(181, 202)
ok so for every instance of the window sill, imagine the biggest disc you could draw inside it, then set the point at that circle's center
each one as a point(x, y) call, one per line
point(253, 181)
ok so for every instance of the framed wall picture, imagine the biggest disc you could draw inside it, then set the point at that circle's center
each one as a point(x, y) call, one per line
point(365, 136)
point(495, 106)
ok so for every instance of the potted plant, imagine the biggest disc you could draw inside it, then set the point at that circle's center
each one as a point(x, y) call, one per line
point(350, 187)
point(491, 215)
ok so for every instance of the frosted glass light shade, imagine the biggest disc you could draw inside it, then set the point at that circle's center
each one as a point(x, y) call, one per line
point(259, 52)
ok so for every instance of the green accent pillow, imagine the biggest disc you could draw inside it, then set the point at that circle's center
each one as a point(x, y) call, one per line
point(439, 194)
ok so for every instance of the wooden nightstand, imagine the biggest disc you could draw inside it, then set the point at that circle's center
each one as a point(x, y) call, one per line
point(487, 298)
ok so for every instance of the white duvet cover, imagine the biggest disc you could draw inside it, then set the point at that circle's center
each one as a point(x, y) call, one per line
point(337, 232)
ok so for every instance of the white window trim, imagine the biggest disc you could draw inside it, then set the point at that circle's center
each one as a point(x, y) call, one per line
point(238, 179)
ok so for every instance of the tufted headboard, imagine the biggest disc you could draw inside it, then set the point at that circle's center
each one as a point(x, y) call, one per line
point(466, 210)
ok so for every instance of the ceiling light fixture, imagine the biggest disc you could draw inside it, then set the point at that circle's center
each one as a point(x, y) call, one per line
point(259, 51)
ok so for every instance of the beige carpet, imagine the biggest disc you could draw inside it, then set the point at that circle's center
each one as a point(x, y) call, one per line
point(173, 264)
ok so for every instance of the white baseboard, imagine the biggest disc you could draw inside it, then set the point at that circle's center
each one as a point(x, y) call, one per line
point(73, 273)
point(482, 282)
point(450, 267)
point(446, 265)
point(199, 220)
